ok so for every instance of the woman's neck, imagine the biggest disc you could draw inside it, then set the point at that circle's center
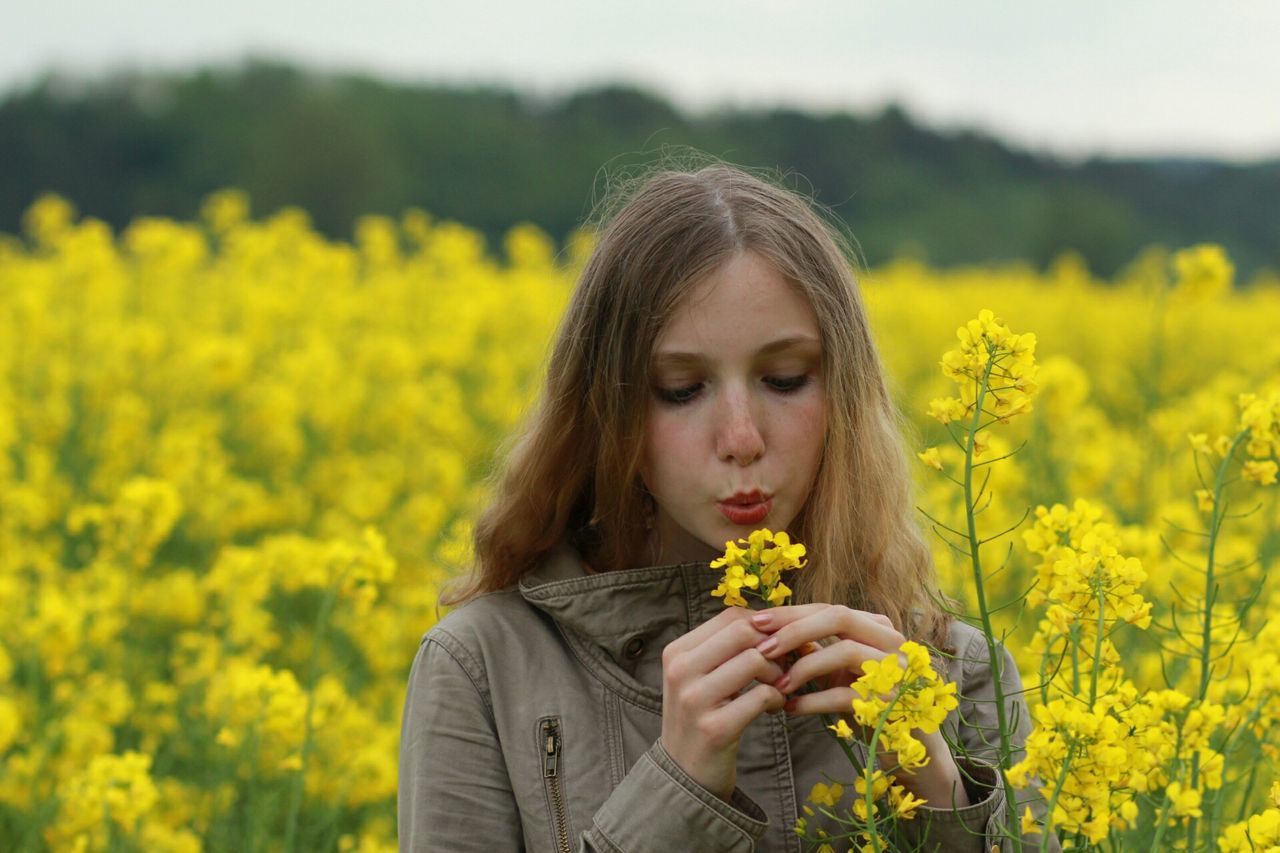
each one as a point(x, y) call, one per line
point(669, 544)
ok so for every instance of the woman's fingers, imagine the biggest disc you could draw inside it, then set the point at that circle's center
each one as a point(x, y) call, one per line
point(708, 698)
point(834, 700)
point(693, 639)
point(843, 656)
point(734, 637)
point(796, 625)
point(738, 672)
point(738, 714)
point(721, 667)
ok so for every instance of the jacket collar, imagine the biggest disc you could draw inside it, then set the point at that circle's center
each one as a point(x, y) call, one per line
point(624, 612)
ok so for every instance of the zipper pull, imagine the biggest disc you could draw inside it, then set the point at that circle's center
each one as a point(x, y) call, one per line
point(553, 750)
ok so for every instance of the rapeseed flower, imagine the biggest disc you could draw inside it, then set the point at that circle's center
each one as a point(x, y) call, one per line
point(757, 568)
point(207, 426)
point(991, 363)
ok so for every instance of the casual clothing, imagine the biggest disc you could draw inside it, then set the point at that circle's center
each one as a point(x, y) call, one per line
point(533, 717)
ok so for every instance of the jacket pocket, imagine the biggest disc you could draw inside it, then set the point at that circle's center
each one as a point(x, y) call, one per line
point(550, 742)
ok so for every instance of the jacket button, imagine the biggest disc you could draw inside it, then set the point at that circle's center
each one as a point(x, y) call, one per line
point(634, 648)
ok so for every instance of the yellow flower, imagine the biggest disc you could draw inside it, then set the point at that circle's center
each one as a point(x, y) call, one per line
point(879, 784)
point(931, 458)
point(735, 578)
point(1184, 801)
point(1263, 473)
point(993, 361)
point(842, 730)
point(779, 594)
point(904, 802)
point(947, 409)
point(1261, 832)
point(757, 568)
point(826, 795)
point(114, 788)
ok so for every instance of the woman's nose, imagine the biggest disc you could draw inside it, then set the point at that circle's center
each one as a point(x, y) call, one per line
point(738, 437)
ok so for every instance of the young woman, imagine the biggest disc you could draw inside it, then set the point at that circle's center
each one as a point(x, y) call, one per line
point(714, 373)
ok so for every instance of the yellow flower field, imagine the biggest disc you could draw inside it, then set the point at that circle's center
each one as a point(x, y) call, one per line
point(237, 460)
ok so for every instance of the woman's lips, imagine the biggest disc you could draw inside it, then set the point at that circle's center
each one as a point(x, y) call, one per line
point(746, 513)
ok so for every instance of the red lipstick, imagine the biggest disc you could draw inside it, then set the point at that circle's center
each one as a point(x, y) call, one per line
point(746, 507)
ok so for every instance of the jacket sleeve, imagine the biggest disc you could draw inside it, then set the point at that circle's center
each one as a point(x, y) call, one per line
point(455, 791)
point(981, 826)
point(659, 807)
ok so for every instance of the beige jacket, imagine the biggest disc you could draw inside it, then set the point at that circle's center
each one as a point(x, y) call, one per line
point(533, 716)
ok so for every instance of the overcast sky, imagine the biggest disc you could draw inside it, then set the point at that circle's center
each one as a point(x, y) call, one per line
point(1092, 76)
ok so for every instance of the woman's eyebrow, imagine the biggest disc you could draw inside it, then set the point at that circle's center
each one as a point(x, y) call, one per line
point(792, 342)
point(679, 359)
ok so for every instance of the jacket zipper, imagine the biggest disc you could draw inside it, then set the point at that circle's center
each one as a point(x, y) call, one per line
point(551, 775)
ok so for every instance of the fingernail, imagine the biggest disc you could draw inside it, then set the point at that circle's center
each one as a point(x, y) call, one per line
point(782, 682)
point(760, 620)
point(790, 707)
point(768, 645)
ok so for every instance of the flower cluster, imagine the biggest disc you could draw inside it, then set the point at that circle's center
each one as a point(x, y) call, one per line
point(902, 804)
point(258, 703)
point(898, 695)
point(1093, 745)
point(756, 569)
point(207, 426)
point(1094, 760)
point(111, 796)
point(1082, 574)
point(992, 367)
point(1259, 428)
point(895, 697)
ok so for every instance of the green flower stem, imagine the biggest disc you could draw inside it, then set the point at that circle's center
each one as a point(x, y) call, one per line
point(1053, 800)
point(1097, 647)
point(299, 781)
point(1161, 823)
point(1075, 659)
point(868, 774)
point(1206, 639)
point(848, 750)
point(993, 656)
point(1214, 524)
point(1248, 791)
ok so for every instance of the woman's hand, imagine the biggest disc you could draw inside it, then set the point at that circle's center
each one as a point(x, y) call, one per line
point(703, 716)
point(859, 637)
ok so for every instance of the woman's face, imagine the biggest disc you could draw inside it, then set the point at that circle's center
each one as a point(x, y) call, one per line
point(737, 411)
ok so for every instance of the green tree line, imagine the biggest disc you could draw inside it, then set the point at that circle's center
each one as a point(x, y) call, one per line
point(341, 145)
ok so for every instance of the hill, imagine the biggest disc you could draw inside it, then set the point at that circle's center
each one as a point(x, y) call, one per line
point(345, 145)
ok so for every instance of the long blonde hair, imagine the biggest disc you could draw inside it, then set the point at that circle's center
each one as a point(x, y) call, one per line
point(573, 473)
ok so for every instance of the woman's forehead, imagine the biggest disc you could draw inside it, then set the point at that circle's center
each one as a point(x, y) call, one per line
point(744, 300)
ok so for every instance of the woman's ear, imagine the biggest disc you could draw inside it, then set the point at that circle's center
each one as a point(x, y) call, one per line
point(650, 508)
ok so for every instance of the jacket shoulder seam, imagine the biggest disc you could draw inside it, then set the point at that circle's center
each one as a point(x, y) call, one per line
point(473, 669)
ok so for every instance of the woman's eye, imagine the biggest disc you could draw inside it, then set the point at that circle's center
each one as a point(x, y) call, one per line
point(787, 383)
point(678, 395)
